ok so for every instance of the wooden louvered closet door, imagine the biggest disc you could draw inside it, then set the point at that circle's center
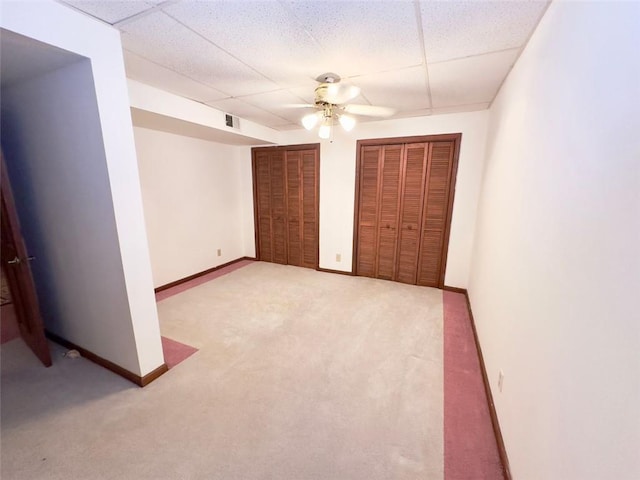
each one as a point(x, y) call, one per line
point(294, 209)
point(438, 184)
point(302, 244)
point(286, 205)
point(270, 205)
point(309, 175)
point(404, 209)
point(367, 222)
point(278, 209)
point(389, 202)
point(415, 167)
point(262, 188)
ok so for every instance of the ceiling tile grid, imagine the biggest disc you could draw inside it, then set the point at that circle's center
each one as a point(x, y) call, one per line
point(261, 34)
point(361, 37)
point(254, 58)
point(470, 80)
point(163, 40)
point(462, 29)
point(278, 102)
point(111, 11)
point(404, 89)
point(145, 71)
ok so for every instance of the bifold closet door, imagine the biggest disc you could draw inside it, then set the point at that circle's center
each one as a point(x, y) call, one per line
point(436, 206)
point(309, 170)
point(404, 205)
point(391, 197)
point(366, 260)
point(416, 157)
point(302, 222)
point(380, 175)
point(286, 205)
point(271, 206)
point(389, 203)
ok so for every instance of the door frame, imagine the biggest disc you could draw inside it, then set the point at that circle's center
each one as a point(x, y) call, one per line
point(456, 138)
point(284, 149)
point(19, 276)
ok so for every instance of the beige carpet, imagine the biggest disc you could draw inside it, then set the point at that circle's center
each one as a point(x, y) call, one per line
point(299, 375)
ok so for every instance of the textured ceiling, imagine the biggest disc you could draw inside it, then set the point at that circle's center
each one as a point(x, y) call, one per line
point(253, 58)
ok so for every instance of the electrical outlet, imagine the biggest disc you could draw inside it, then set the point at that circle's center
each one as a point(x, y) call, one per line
point(219, 252)
point(338, 257)
point(500, 380)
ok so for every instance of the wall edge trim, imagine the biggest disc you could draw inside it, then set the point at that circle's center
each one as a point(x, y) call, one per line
point(140, 381)
point(154, 374)
point(339, 272)
point(199, 274)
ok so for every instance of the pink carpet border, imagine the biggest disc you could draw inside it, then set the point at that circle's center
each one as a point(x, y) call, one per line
point(169, 292)
point(470, 447)
point(176, 352)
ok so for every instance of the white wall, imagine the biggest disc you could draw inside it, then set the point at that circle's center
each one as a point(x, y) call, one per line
point(191, 190)
point(556, 267)
point(62, 194)
point(337, 183)
point(59, 26)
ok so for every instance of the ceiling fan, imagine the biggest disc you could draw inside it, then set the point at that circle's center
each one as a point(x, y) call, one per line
point(330, 103)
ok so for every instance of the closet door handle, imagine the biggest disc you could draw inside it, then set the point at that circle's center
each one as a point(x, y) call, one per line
point(409, 227)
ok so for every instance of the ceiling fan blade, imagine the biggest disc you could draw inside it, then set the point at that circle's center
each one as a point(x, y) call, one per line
point(299, 105)
point(369, 110)
point(338, 93)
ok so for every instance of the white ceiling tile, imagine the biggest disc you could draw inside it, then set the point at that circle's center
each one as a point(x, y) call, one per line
point(269, 52)
point(401, 89)
point(261, 34)
point(306, 93)
point(361, 37)
point(460, 29)
point(111, 11)
point(145, 71)
point(470, 80)
point(164, 41)
point(242, 109)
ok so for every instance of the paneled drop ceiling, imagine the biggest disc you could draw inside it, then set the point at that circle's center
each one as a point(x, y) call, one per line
point(254, 58)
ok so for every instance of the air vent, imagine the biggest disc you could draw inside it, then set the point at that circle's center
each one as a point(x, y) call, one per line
point(231, 121)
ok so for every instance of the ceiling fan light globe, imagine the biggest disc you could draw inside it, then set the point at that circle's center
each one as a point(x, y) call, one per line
point(324, 131)
point(309, 121)
point(347, 122)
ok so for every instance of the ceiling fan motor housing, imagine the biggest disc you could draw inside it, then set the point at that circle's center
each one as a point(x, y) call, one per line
point(321, 93)
point(329, 77)
point(333, 98)
point(326, 79)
